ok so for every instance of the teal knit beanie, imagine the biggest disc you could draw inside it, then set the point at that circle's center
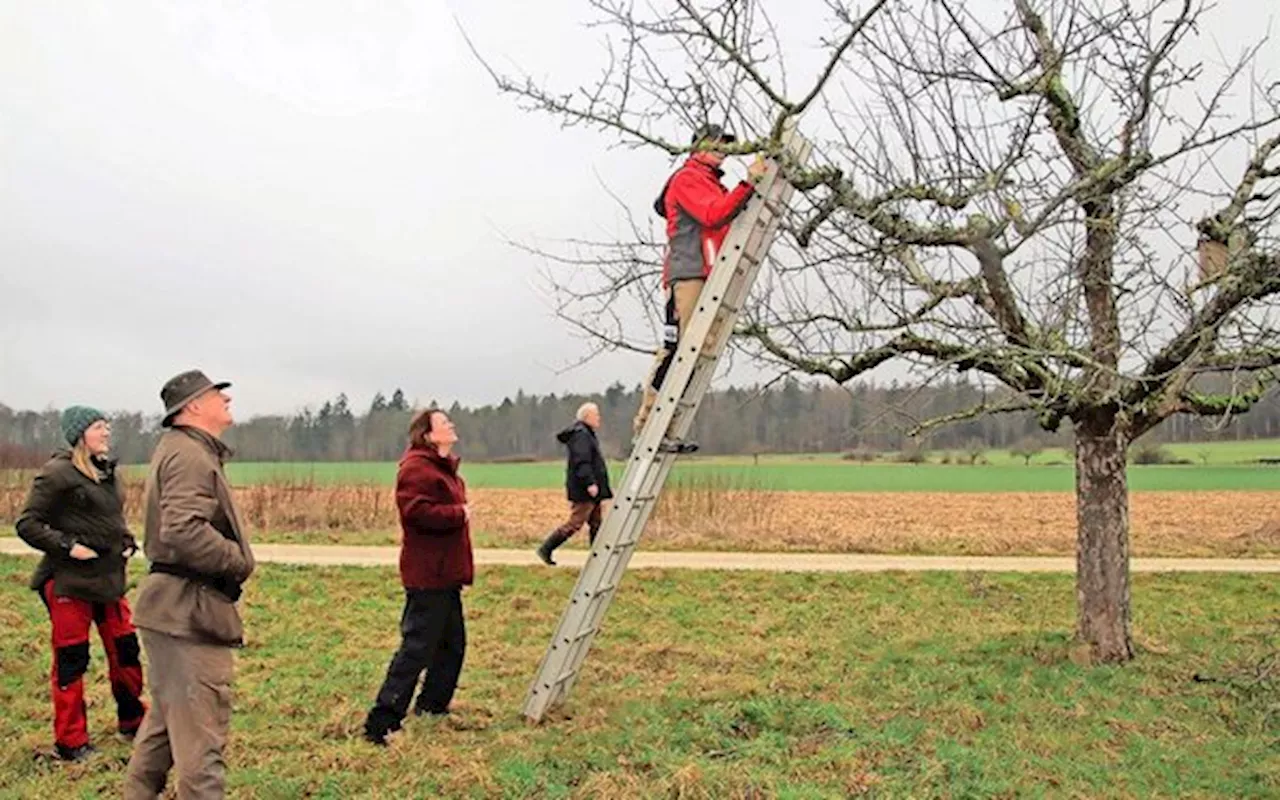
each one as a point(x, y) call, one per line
point(76, 420)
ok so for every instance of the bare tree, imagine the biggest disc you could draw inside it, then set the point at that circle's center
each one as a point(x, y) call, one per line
point(1026, 449)
point(1051, 195)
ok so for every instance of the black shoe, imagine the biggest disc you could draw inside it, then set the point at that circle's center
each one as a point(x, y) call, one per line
point(380, 724)
point(78, 754)
point(683, 448)
point(430, 712)
point(378, 735)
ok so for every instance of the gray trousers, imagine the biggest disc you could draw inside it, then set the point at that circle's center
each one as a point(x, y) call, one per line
point(186, 726)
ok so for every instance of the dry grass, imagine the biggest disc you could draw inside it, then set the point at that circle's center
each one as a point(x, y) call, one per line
point(711, 513)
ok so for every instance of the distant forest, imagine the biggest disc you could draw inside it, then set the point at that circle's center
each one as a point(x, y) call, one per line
point(788, 417)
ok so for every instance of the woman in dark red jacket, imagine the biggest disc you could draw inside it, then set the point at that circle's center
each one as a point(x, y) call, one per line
point(435, 563)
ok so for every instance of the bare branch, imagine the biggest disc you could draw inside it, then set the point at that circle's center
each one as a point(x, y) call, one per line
point(980, 410)
point(837, 54)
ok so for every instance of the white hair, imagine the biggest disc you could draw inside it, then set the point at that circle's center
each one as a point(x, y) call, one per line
point(584, 409)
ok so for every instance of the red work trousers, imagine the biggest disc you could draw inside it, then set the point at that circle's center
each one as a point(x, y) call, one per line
point(72, 619)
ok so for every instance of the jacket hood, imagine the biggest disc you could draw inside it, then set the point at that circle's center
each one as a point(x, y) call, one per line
point(660, 205)
point(566, 434)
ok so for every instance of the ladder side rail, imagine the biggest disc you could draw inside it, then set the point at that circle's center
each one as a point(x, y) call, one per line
point(607, 559)
point(638, 521)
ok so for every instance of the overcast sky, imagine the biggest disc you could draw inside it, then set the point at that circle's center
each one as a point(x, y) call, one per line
point(302, 196)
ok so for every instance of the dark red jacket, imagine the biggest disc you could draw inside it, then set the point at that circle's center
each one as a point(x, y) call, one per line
point(431, 495)
point(698, 210)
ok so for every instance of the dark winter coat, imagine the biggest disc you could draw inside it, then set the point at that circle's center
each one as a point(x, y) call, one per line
point(431, 497)
point(585, 464)
point(65, 508)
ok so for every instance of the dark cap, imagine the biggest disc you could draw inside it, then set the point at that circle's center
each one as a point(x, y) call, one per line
point(182, 389)
point(715, 133)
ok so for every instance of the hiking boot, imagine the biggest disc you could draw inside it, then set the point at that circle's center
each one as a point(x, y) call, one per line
point(544, 553)
point(548, 546)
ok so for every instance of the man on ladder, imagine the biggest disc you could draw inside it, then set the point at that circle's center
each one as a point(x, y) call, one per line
point(706, 324)
point(698, 210)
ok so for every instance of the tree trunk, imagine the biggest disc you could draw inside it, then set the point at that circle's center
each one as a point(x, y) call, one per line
point(1102, 535)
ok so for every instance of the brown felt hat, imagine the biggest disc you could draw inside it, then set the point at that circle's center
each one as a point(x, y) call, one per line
point(182, 389)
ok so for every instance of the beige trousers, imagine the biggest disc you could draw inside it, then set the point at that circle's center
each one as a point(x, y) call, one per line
point(684, 296)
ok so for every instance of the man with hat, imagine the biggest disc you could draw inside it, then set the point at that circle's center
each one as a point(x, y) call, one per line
point(186, 607)
point(698, 210)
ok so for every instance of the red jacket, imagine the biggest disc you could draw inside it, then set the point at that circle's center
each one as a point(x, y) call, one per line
point(430, 495)
point(698, 210)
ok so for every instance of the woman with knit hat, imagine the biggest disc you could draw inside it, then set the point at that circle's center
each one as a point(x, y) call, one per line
point(75, 514)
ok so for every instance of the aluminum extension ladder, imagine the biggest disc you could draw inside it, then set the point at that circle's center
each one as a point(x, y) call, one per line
point(687, 379)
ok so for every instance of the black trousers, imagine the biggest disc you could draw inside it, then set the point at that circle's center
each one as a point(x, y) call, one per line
point(433, 639)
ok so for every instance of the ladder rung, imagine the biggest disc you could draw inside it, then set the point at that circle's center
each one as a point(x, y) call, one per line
point(601, 591)
point(564, 676)
point(622, 545)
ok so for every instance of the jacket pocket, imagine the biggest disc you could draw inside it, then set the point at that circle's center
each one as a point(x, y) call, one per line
point(99, 579)
point(214, 617)
point(439, 567)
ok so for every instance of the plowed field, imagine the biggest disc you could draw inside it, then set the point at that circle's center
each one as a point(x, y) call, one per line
point(1162, 523)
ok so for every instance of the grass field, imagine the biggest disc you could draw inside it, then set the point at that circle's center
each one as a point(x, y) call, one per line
point(719, 685)
point(1221, 466)
point(817, 475)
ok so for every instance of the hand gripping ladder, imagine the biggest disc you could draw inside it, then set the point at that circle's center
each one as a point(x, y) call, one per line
point(687, 379)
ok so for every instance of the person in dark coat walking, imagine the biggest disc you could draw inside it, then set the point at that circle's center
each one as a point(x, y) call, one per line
point(586, 481)
point(435, 563)
point(75, 514)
